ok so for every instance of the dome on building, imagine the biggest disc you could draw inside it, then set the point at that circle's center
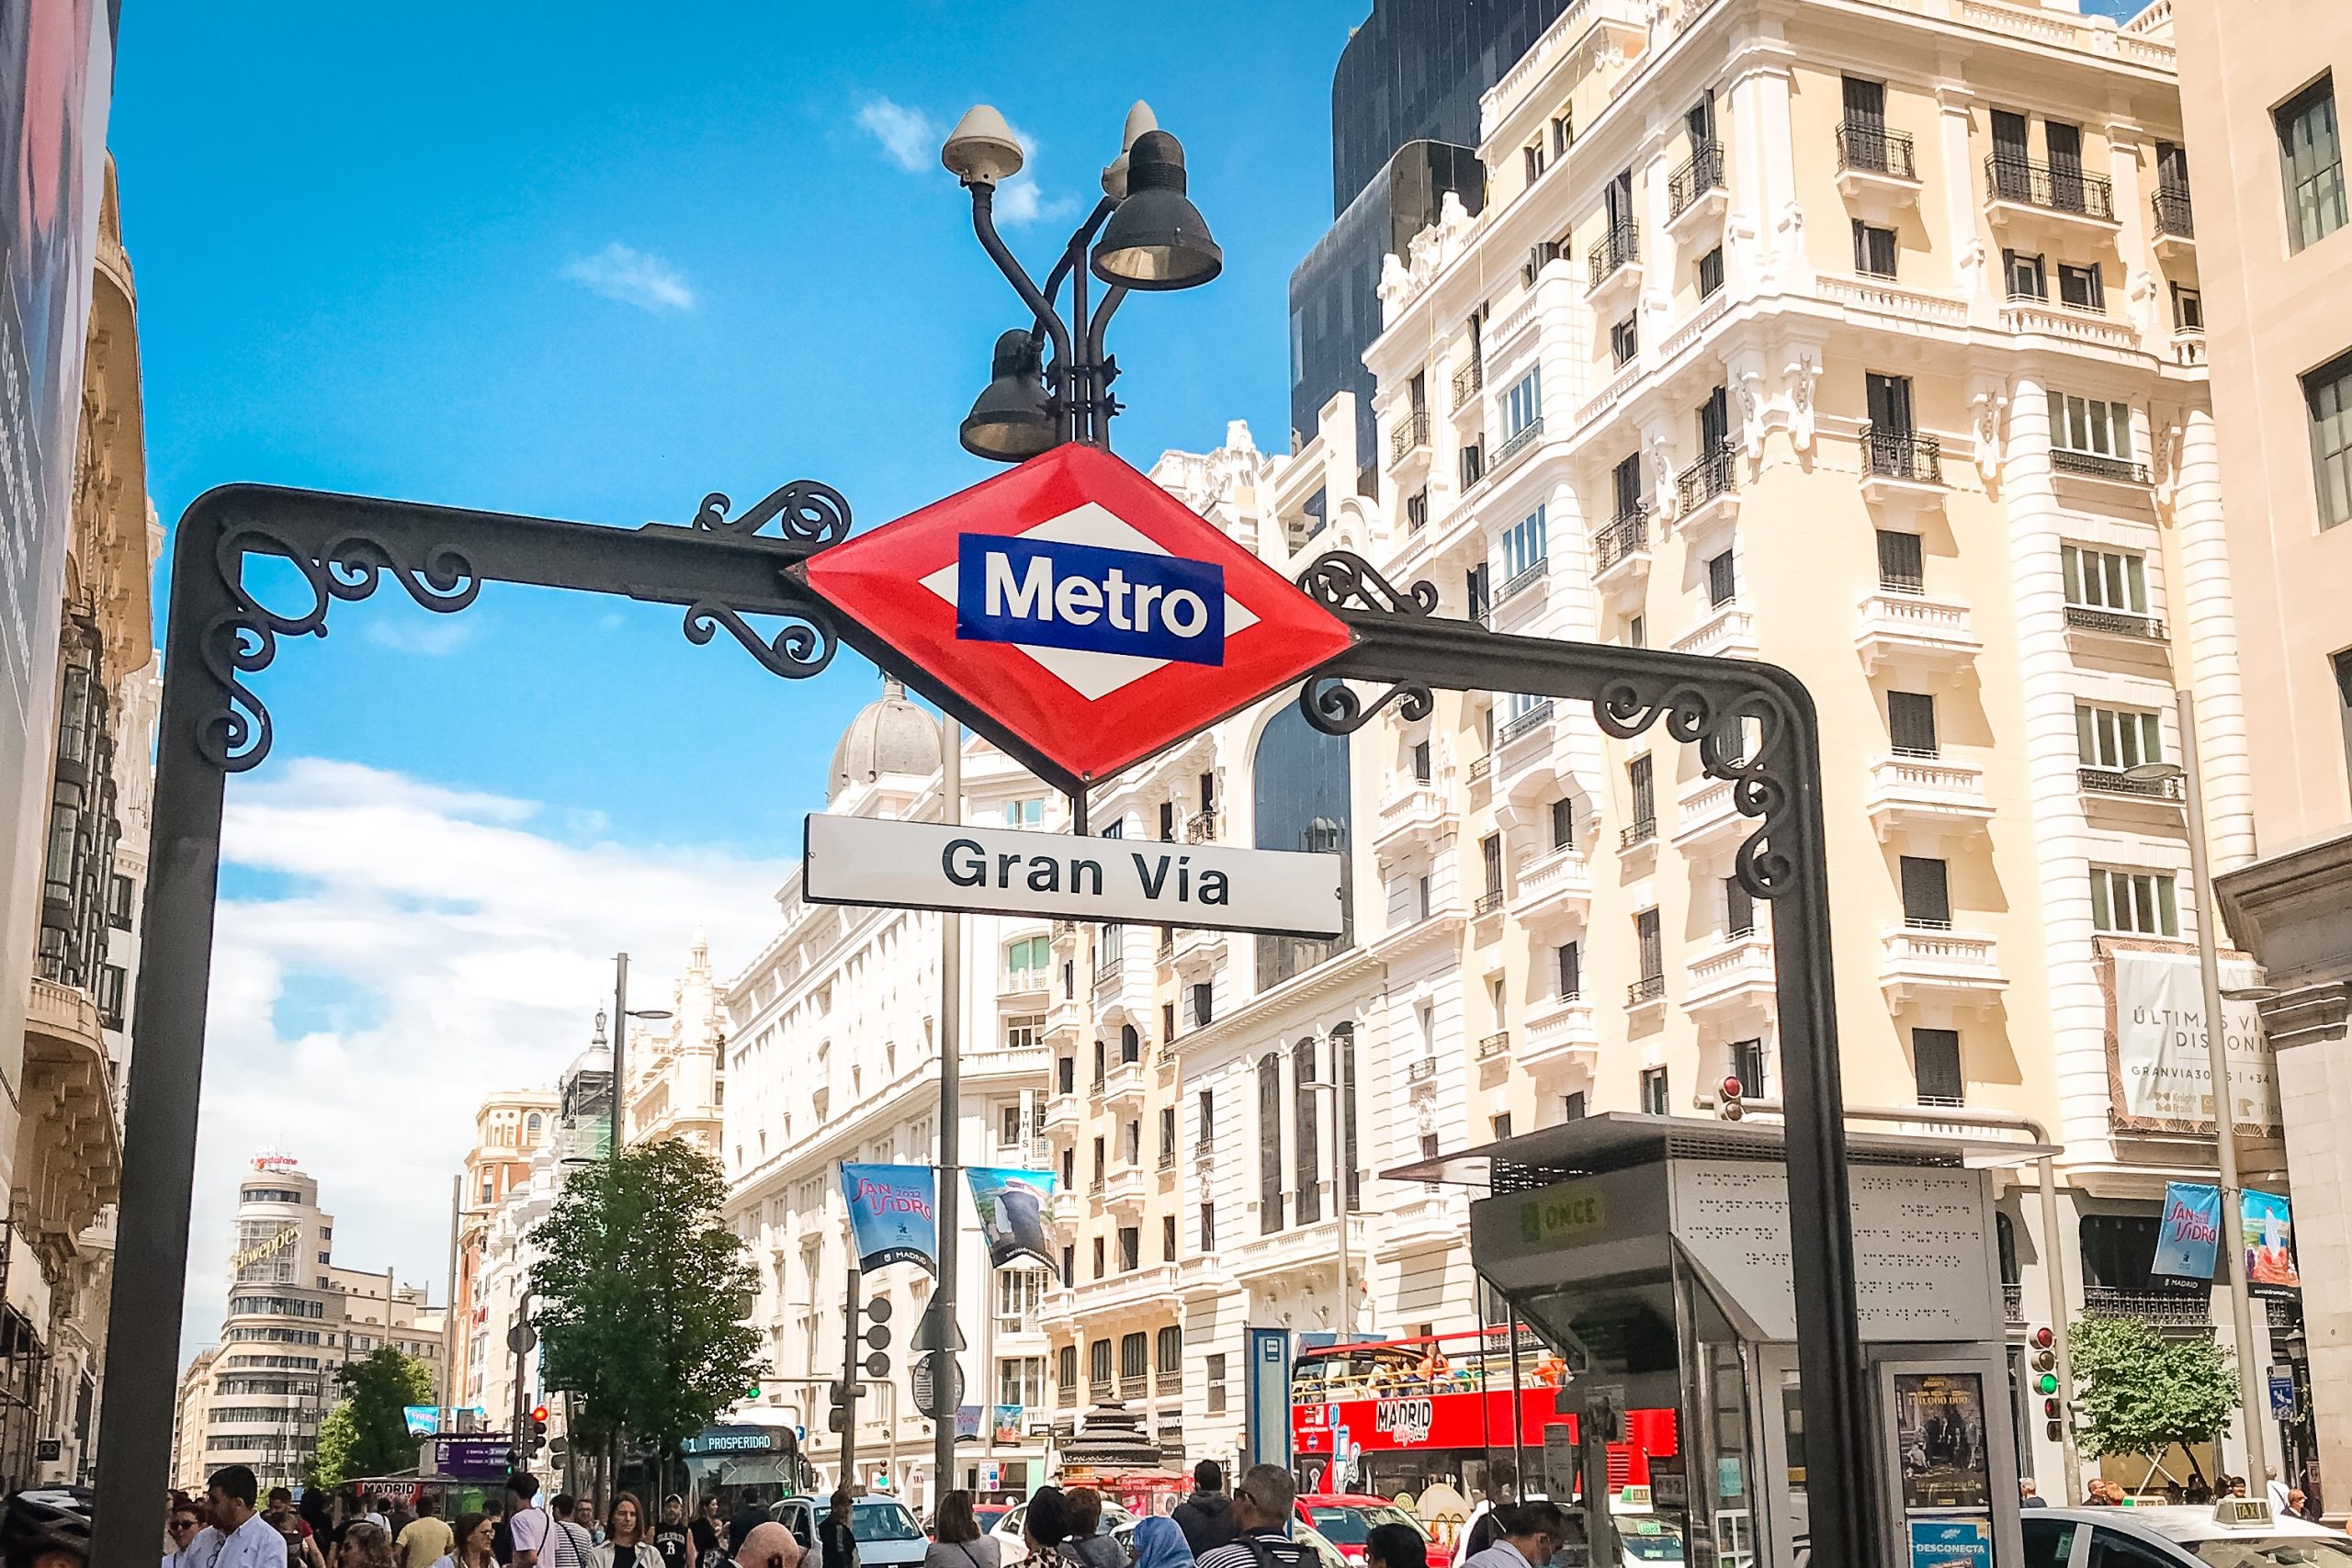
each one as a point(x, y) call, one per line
point(890, 735)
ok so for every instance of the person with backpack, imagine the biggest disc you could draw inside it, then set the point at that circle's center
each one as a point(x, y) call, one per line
point(1205, 1516)
point(1262, 1505)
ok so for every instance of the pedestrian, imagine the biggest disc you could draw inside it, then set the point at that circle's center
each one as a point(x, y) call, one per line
point(955, 1538)
point(527, 1522)
point(1044, 1528)
point(238, 1536)
point(2030, 1495)
point(1088, 1547)
point(2237, 1485)
point(1160, 1544)
point(427, 1538)
point(569, 1543)
point(836, 1541)
point(317, 1515)
point(671, 1536)
point(359, 1506)
point(2095, 1494)
point(366, 1544)
point(709, 1534)
point(1205, 1516)
point(1503, 1479)
point(399, 1513)
point(181, 1523)
point(1526, 1534)
point(473, 1549)
point(769, 1545)
point(1262, 1503)
point(624, 1543)
point(1392, 1546)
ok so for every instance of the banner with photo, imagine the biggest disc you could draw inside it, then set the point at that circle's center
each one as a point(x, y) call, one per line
point(893, 1214)
point(1014, 1206)
point(2266, 1221)
point(2188, 1238)
point(1008, 1423)
point(2164, 1072)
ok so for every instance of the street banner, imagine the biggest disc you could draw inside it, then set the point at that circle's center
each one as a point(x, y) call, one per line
point(968, 1422)
point(2163, 1071)
point(930, 865)
point(423, 1420)
point(1008, 1423)
point(2188, 1238)
point(1012, 1207)
point(893, 1214)
point(2266, 1221)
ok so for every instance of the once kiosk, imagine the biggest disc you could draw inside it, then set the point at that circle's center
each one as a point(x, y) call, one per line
point(1652, 1252)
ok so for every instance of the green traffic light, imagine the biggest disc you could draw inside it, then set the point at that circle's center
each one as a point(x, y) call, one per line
point(2045, 1383)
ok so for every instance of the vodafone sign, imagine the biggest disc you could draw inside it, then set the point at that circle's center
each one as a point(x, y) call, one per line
point(1086, 610)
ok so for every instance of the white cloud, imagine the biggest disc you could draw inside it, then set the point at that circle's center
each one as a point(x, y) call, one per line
point(909, 137)
point(416, 947)
point(1019, 202)
point(633, 277)
point(432, 637)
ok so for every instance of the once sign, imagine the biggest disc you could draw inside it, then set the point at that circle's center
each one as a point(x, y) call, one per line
point(930, 865)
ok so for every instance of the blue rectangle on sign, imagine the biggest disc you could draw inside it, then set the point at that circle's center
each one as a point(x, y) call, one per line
point(1952, 1543)
point(1041, 593)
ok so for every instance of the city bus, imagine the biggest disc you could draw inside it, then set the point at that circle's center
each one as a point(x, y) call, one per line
point(1406, 1415)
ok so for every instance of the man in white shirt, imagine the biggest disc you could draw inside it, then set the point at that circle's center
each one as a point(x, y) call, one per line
point(238, 1537)
point(1526, 1535)
point(525, 1522)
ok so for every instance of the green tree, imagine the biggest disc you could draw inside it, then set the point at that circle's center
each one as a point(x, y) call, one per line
point(640, 1298)
point(366, 1432)
point(2144, 1393)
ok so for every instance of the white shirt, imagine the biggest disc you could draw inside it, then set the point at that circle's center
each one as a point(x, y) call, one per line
point(2277, 1497)
point(253, 1544)
point(529, 1528)
point(1502, 1554)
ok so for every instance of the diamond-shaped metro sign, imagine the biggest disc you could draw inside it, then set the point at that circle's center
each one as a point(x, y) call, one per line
point(1093, 616)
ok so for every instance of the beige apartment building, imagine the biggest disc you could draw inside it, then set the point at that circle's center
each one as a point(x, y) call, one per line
point(676, 1087)
point(510, 1128)
point(2277, 266)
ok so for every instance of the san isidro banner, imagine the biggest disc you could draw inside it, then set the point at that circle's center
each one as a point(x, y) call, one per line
point(893, 1214)
point(1013, 1206)
point(2188, 1238)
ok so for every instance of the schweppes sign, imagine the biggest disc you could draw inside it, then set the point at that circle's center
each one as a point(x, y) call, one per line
point(261, 1250)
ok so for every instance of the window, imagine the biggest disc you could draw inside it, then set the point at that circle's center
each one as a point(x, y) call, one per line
point(1625, 482)
point(1637, 631)
point(1270, 1143)
point(1019, 1292)
point(1927, 893)
point(1530, 159)
point(1023, 813)
point(1167, 1136)
point(1901, 569)
point(1204, 1007)
point(1935, 1067)
point(1098, 1364)
point(1167, 821)
point(1747, 1066)
point(1567, 970)
point(1645, 941)
point(1098, 1258)
point(1130, 1248)
point(1641, 786)
point(111, 981)
point(2081, 288)
point(1008, 1125)
point(1476, 595)
point(1429, 1146)
point(1423, 772)
point(1873, 249)
point(1655, 1096)
point(2117, 738)
point(1740, 908)
point(1204, 1119)
point(1065, 1074)
point(2049, 1543)
point(118, 902)
point(2138, 903)
point(1020, 1380)
point(1208, 1227)
point(1564, 824)
point(1472, 462)
point(1572, 1106)
point(1026, 961)
point(2025, 276)
point(1167, 1238)
point(1131, 1143)
point(2311, 161)
point(1213, 1370)
point(1417, 509)
point(1564, 130)
point(1524, 549)
point(1070, 1254)
point(1130, 1044)
point(2327, 396)
point(1498, 1125)
point(1069, 1169)
point(2087, 425)
point(1307, 1134)
point(1099, 1144)
point(1911, 723)
point(1710, 272)
point(1023, 1030)
point(2188, 309)
point(2105, 580)
point(1523, 404)
point(1889, 402)
point(2342, 665)
point(1490, 861)
point(1624, 341)
point(1421, 896)
point(1723, 583)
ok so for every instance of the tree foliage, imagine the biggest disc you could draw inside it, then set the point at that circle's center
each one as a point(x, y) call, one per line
point(641, 1293)
point(367, 1434)
point(2144, 1393)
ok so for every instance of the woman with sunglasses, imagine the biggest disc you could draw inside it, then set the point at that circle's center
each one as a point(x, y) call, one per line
point(179, 1529)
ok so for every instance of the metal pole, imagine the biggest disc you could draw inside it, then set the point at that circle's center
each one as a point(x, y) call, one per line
point(951, 1098)
point(851, 1317)
point(2225, 1134)
point(620, 1040)
point(2053, 1272)
point(449, 1394)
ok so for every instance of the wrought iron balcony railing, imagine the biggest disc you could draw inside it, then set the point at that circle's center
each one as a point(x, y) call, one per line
point(2115, 623)
point(1902, 454)
point(1694, 179)
point(2060, 187)
point(1867, 145)
point(1629, 534)
point(2099, 465)
point(1712, 475)
point(1620, 247)
point(2174, 215)
point(1411, 433)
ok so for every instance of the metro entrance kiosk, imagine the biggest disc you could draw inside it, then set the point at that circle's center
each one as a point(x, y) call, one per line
point(1652, 1252)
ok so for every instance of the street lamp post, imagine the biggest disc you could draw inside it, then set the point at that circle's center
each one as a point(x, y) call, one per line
point(2217, 1054)
point(621, 1015)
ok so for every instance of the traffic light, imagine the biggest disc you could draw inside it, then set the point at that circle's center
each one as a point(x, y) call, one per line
point(537, 1438)
point(1729, 1108)
point(845, 1394)
point(2045, 1343)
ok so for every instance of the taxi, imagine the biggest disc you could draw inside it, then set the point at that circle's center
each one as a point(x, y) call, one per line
point(2237, 1532)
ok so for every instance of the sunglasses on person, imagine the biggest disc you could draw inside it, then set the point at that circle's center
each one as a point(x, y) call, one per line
point(182, 1526)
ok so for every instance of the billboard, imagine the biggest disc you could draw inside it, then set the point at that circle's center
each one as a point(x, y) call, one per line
point(2266, 1223)
point(2188, 1238)
point(1012, 1207)
point(2164, 1077)
point(893, 1214)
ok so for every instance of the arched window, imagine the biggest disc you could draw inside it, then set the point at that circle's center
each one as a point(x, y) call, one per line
point(1098, 1368)
point(1307, 1147)
point(1135, 1362)
point(1299, 791)
point(1168, 1358)
point(532, 1125)
point(1065, 1375)
point(1270, 1143)
point(1130, 1044)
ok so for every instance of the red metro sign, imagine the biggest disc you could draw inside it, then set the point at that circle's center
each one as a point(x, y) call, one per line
point(1093, 616)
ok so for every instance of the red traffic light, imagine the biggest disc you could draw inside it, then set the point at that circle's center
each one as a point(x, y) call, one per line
point(2044, 1339)
point(540, 1414)
point(2050, 1409)
point(1731, 1088)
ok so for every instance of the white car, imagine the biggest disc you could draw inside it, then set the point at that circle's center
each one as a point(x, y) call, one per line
point(2168, 1537)
point(888, 1535)
point(1012, 1548)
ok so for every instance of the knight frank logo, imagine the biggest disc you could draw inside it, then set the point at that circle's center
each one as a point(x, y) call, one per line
point(1406, 1420)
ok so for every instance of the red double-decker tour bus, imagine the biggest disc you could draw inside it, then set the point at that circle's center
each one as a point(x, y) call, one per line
point(1404, 1415)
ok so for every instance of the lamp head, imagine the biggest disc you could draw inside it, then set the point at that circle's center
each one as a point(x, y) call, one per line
point(1156, 239)
point(1115, 178)
point(2156, 773)
point(1014, 420)
point(981, 150)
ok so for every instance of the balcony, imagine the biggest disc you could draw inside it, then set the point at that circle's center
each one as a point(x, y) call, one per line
point(1728, 633)
point(2090, 327)
point(2012, 1301)
point(1495, 1047)
point(1556, 886)
point(1298, 1250)
point(1516, 443)
point(1645, 992)
point(1487, 903)
point(1734, 977)
point(1950, 966)
point(69, 1163)
point(1129, 1288)
point(1195, 947)
point(1201, 827)
point(2162, 1309)
point(1412, 817)
point(1559, 1032)
point(1708, 816)
point(1695, 193)
point(2103, 623)
point(1927, 793)
point(1482, 768)
point(2052, 200)
point(1621, 553)
point(1203, 1274)
point(1641, 831)
point(1707, 487)
point(1126, 1189)
point(1910, 631)
point(2119, 785)
point(1061, 1114)
point(1615, 263)
point(1123, 1085)
point(1409, 438)
point(1469, 380)
point(2099, 465)
point(1532, 576)
point(1535, 719)
point(1432, 1218)
point(1901, 464)
point(1877, 172)
point(2175, 223)
point(1122, 985)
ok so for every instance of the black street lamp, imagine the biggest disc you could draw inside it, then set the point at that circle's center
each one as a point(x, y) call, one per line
point(1144, 233)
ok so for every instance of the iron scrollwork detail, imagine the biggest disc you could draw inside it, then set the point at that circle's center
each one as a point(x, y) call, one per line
point(1738, 740)
point(242, 640)
point(805, 645)
point(806, 513)
point(1344, 581)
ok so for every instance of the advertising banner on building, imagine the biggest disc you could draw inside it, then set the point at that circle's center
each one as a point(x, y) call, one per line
point(2266, 1220)
point(893, 1214)
point(2188, 1238)
point(1008, 1423)
point(2164, 1074)
point(1013, 1206)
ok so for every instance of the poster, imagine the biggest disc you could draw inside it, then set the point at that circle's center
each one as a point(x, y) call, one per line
point(1952, 1543)
point(1939, 1438)
point(1008, 1424)
point(2188, 1238)
point(893, 1216)
point(2161, 1059)
point(423, 1420)
point(968, 1422)
point(1013, 1206)
point(2267, 1224)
